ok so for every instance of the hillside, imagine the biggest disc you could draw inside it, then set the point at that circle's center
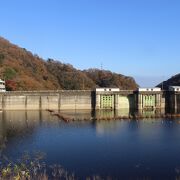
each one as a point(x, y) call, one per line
point(68, 77)
point(173, 81)
point(104, 78)
point(23, 70)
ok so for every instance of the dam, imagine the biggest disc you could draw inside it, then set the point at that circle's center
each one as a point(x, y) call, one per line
point(100, 98)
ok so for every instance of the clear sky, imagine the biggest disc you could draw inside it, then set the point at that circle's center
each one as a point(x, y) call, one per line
point(140, 38)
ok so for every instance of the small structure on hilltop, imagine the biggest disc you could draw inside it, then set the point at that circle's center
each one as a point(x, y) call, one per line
point(2, 86)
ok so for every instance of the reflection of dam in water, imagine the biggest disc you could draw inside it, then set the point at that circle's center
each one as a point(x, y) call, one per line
point(20, 119)
point(107, 114)
point(19, 123)
point(31, 118)
point(16, 123)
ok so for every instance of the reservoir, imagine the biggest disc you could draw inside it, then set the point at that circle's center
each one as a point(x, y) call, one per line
point(119, 149)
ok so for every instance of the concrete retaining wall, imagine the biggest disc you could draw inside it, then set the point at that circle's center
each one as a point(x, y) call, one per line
point(57, 100)
point(75, 100)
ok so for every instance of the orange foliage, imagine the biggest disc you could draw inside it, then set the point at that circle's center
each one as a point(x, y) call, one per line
point(25, 71)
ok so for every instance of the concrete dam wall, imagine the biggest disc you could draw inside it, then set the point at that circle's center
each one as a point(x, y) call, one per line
point(42, 100)
point(87, 100)
point(66, 100)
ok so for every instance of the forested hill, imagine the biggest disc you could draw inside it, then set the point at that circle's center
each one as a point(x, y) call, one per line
point(104, 78)
point(173, 81)
point(23, 70)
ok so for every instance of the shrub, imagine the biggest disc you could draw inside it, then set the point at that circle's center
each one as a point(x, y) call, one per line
point(9, 73)
point(11, 85)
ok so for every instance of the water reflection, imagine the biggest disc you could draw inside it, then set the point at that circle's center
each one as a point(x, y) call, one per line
point(117, 148)
point(18, 122)
point(105, 127)
point(78, 114)
point(151, 113)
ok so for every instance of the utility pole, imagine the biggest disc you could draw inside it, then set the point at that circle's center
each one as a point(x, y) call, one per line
point(101, 66)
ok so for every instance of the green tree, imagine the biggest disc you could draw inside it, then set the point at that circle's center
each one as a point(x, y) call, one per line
point(9, 73)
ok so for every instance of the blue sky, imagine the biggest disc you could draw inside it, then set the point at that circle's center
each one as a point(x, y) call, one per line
point(140, 38)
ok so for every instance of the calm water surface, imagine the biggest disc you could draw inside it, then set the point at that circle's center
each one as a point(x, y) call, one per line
point(121, 149)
